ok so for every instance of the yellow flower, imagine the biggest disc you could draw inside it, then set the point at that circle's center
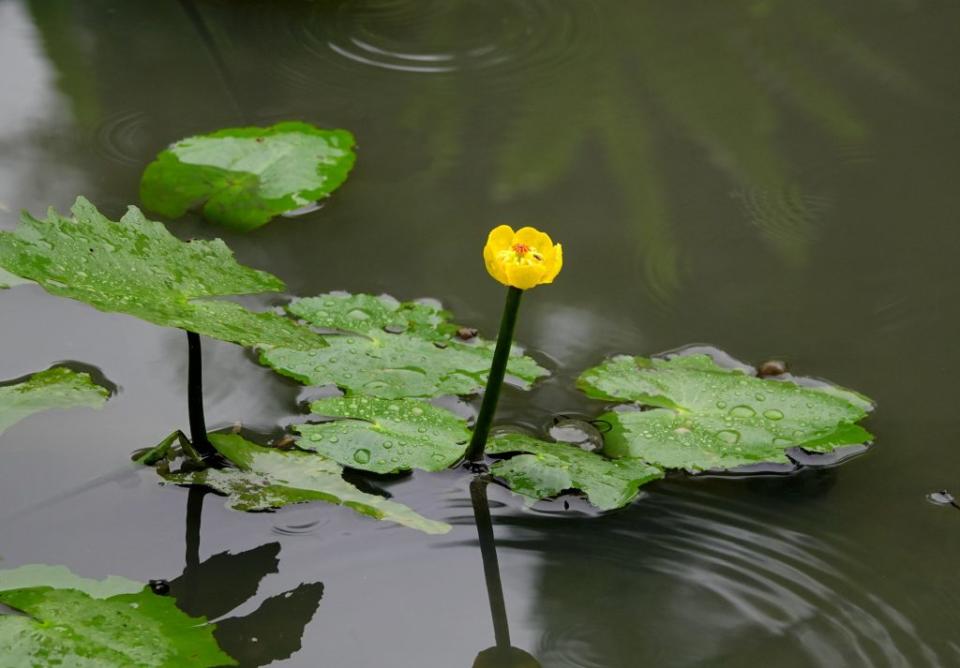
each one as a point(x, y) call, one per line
point(522, 259)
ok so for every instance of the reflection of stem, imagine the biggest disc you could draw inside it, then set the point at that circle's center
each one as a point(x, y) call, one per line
point(196, 18)
point(198, 425)
point(191, 568)
point(498, 369)
point(491, 567)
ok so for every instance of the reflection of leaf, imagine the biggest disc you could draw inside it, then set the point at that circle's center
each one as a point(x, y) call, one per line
point(711, 417)
point(58, 387)
point(69, 626)
point(246, 176)
point(274, 631)
point(136, 266)
point(423, 358)
point(267, 478)
point(386, 436)
point(225, 581)
point(551, 468)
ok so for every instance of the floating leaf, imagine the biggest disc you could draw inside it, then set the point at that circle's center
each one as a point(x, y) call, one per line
point(71, 621)
point(391, 350)
point(136, 266)
point(58, 387)
point(243, 177)
point(384, 435)
point(551, 468)
point(267, 478)
point(711, 417)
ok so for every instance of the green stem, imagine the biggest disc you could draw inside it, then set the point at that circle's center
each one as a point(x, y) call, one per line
point(497, 371)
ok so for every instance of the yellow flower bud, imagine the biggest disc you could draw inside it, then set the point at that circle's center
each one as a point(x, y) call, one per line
point(522, 259)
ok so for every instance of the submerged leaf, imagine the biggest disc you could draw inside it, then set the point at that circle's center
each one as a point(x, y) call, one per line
point(267, 478)
point(135, 266)
point(58, 387)
point(72, 621)
point(708, 416)
point(551, 468)
point(386, 436)
point(243, 177)
point(391, 349)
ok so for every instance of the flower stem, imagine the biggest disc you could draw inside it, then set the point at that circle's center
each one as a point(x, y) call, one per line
point(198, 425)
point(497, 371)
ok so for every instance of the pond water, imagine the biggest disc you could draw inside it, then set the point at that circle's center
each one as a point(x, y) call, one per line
point(773, 178)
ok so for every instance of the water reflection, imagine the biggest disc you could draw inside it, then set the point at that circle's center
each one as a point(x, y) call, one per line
point(694, 578)
point(501, 655)
point(223, 582)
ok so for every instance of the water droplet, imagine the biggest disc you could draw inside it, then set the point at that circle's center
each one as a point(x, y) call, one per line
point(417, 410)
point(334, 439)
point(773, 414)
point(729, 436)
point(422, 430)
point(742, 411)
point(358, 314)
point(387, 445)
point(759, 396)
point(437, 457)
point(361, 456)
point(721, 405)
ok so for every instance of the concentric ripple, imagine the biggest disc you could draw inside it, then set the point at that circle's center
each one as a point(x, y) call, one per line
point(694, 579)
point(123, 138)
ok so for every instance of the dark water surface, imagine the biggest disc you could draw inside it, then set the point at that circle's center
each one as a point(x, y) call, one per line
point(775, 178)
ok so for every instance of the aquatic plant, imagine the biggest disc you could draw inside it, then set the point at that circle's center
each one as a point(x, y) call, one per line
point(520, 260)
point(135, 266)
point(57, 387)
point(244, 177)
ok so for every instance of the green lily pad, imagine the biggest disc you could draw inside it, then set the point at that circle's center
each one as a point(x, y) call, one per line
point(135, 266)
point(71, 621)
point(58, 387)
point(550, 468)
point(386, 435)
point(244, 177)
point(709, 417)
point(268, 478)
point(392, 350)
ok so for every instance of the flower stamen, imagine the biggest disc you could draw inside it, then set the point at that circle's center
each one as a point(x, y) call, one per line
point(521, 249)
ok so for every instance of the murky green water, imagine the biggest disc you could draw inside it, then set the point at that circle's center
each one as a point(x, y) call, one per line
point(774, 178)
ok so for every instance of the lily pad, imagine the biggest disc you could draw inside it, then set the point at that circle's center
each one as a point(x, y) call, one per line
point(243, 177)
point(135, 266)
point(709, 417)
point(550, 468)
point(71, 621)
point(392, 350)
point(384, 435)
point(58, 387)
point(269, 478)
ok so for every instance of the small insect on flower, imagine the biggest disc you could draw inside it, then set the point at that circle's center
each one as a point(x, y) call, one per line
point(522, 259)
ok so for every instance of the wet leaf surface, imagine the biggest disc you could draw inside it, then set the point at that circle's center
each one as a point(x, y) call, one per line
point(243, 177)
point(706, 416)
point(58, 387)
point(386, 436)
point(549, 468)
point(267, 478)
point(70, 621)
point(391, 349)
point(135, 266)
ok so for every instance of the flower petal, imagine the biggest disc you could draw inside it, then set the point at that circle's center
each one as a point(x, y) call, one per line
point(533, 238)
point(500, 238)
point(525, 276)
point(554, 265)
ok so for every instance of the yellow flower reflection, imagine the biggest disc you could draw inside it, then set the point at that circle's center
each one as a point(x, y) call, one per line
point(522, 259)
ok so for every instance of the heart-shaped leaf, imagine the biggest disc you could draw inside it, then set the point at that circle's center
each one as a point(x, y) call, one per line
point(243, 177)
